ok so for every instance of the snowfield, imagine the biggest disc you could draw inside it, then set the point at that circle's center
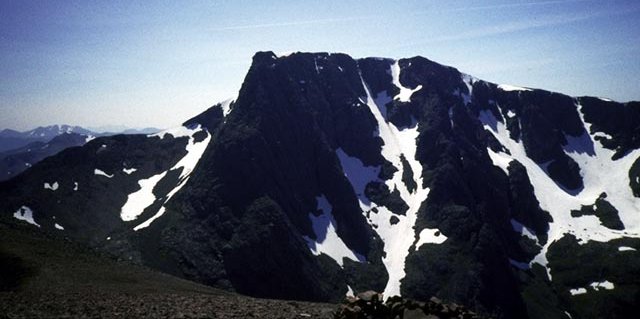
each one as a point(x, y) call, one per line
point(600, 174)
point(327, 240)
point(187, 163)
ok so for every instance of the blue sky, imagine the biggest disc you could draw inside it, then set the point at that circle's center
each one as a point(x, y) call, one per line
point(148, 63)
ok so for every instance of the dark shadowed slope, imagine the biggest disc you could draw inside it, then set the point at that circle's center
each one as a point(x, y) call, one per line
point(46, 276)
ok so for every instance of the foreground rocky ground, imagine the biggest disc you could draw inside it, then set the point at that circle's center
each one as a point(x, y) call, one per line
point(45, 276)
point(370, 304)
point(153, 305)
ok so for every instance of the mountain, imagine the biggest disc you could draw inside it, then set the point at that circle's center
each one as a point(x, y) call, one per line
point(146, 130)
point(44, 142)
point(14, 162)
point(329, 174)
point(123, 129)
point(11, 139)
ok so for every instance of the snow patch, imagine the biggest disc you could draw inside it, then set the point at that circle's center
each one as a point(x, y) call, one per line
point(52, 187)
point(578, 291)
point(468, 80)
point(178, 131)
point(327, 240)
point(148, 222)
point(507, 87)
point(58, 227)
point(188, 164)
point(607, 285)
point(625, 248)
point(602, 134)
point(226, 106)
point(26, 214)
point(75, 186)
point(501, 160)
point(349, 292)
point(523, 230)
point(357, 173)
point(101, 172)
point(430, 236)
point(141, 199)
point(405, 93)
point(128, 171)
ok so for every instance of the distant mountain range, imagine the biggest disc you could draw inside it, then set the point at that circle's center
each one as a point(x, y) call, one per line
point(330, 175)
point(21, 150)
point(122, 129)
point(12, 139)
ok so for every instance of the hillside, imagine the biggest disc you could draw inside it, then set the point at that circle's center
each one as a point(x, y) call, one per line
point(46, 276)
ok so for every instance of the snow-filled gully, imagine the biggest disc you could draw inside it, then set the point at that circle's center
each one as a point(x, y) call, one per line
point(397, 238)
point(138, 201)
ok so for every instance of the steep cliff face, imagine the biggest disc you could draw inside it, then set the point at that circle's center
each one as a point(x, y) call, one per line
point(328, 174)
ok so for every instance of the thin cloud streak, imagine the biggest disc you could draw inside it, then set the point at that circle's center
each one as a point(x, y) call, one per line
point(512, 27)
point(373, 17)
point(294, 23)
point(515, 5)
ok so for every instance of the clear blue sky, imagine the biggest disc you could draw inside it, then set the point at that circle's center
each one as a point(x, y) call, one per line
point(147, 63)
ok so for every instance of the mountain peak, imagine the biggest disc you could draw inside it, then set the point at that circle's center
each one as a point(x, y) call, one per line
point(333, 174)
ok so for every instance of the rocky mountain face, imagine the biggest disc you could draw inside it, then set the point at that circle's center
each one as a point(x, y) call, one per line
point(329, 175)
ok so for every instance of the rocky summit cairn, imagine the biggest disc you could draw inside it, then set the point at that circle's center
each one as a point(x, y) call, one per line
point(370, 304)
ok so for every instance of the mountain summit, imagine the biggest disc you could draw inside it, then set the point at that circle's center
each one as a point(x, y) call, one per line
point(329, 175)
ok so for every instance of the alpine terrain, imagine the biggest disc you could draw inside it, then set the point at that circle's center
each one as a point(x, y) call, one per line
point(11, 139)
point(329, 175)
point(20, 150)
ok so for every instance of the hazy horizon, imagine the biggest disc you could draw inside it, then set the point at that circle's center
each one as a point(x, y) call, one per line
point(159, 63)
